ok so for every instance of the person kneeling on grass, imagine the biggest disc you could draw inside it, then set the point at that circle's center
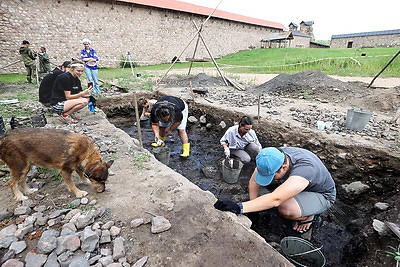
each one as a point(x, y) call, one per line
point(307, 188)
point(67, 96)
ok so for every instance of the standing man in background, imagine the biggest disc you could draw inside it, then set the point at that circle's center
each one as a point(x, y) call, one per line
point(89, 57)
point(28, 56)
point(44, 61)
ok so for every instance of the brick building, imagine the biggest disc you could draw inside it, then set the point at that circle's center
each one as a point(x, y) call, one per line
point(389, 38)
point(152, 31)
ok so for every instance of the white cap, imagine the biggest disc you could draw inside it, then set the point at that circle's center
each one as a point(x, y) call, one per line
point(86, 41)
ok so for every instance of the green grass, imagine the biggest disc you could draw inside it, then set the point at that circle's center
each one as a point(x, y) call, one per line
point(341, 62)
point(13, 78)
point(139, 161)
point(330, 61)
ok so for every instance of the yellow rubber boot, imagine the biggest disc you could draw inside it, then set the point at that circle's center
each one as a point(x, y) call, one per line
point(186, 150)
point(160, 142)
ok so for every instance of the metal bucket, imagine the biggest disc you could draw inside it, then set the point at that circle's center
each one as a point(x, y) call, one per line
point(356, 120)
point(302, 252)
point(145, 122)
point(162, 154)
point(231, 170)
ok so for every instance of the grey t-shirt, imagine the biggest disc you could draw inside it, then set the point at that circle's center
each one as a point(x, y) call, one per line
point(307, 165)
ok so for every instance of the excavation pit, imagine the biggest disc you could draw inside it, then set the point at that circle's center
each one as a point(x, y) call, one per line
point(345, 232)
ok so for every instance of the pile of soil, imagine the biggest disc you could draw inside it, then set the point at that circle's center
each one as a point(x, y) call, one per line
point(292, 84)
point(308, 84)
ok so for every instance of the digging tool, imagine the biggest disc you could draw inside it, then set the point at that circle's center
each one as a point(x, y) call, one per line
point(230, 161)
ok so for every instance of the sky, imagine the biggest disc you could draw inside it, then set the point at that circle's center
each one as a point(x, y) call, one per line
point(330, 17)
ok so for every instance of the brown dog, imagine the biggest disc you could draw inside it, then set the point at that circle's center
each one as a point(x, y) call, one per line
point(56, 149)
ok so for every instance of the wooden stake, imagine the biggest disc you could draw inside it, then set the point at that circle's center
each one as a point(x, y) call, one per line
point(208, 50)
point(191, 90)
point(138, 121)
point(259, 108)
point(383, 69)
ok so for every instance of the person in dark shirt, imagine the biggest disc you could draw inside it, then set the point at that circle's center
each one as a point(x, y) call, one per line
point(170, 113)
point(46, 86)
point(67, 96)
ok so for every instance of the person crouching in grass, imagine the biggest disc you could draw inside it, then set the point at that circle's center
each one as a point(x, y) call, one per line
point(67, 94)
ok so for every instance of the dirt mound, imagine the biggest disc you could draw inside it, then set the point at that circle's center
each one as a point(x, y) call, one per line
point(311, 81)
point(198, 80)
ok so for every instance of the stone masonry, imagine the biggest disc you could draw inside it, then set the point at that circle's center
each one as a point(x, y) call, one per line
point(388, 40)
point(151, 35)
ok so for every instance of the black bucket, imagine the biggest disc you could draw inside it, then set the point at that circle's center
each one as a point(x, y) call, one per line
point(35, 121)
point(145, 122)
point(301, 252)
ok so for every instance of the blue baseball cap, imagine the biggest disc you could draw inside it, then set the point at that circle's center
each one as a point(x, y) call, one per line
point(269, 160)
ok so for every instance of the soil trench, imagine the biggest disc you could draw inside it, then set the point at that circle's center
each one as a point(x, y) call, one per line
point(345, 232)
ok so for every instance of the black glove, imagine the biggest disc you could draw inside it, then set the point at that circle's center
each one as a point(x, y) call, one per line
point(225, 204)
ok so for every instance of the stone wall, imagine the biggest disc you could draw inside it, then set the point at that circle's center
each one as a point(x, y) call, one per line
point(300, 42)
point(151, 35)
point(367, 41)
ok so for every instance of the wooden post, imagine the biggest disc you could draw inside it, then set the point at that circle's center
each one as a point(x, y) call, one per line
point(387, 65)
point(194, 54)
point(176, 59)
point(205, 45)
point(36, 70)
point(259, 108)
point(197, 34)
point(138, 121)
point(191, 90)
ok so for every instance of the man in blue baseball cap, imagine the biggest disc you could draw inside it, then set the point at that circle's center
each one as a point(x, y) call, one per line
point(307, 188)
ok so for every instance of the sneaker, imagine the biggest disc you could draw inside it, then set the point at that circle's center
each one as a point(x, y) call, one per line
point(67, 119)
point(75, 117)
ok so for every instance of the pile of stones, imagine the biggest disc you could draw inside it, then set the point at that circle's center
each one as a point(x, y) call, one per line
point(374, 128)
point(74, 237)
point(63, 237)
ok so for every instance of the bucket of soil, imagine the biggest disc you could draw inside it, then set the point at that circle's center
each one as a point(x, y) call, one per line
point(230, 170)
point(356, 120)
point(302, 252)
point(162, 154)
point(145, 122)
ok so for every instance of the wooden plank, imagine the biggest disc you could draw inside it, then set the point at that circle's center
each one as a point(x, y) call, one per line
point(235, 84)
point(197, 59)
point(200, 91)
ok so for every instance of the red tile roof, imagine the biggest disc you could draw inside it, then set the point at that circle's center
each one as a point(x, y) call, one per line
point(195, 9)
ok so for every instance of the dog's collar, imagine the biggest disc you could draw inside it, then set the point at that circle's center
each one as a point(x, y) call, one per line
point(89, 174)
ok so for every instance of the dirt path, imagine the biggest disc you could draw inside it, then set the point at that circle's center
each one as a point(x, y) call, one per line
point(257, 79)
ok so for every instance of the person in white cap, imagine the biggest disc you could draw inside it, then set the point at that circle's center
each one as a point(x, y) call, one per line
point(307, 188)
point(90, 59)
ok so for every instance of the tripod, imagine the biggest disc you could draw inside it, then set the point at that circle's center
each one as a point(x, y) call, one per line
point(128, 58)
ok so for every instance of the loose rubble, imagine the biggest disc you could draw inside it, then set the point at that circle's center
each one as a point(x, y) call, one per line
point(80, 238)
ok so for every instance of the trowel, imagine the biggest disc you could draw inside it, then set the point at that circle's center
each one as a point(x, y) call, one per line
point(230, 162)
